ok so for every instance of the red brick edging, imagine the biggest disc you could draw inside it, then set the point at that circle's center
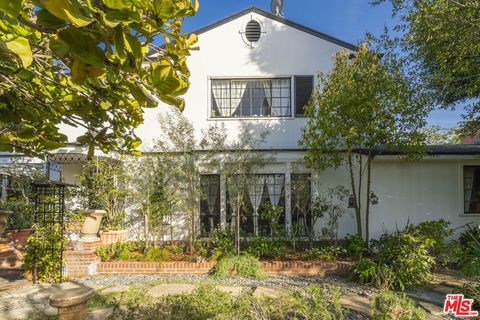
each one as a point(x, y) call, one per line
point(79, 264)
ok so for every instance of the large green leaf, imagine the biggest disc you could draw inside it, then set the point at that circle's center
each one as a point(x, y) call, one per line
point(83, 46)
point(69, 11)
point(115, 17)
point(165, 9)
point(77, 18)
point(119, 44)
point(45, 18)
point(114, 4)
point(11, 7)
point(21, 48)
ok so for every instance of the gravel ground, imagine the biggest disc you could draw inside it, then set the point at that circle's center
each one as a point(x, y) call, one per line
point(346, 287)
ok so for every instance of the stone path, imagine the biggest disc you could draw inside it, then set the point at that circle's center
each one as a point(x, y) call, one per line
point(19, 299)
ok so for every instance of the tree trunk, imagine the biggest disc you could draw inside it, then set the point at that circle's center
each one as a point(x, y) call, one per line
point(146, 231)
point(358, 215)
point(237, 226)
point(367, 209)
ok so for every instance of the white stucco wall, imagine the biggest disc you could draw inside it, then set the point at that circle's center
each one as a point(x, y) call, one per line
point(282, 51)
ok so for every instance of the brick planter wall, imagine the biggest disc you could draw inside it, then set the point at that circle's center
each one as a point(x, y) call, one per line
point(160, 268)
point(11, 259)
point(305, 268)
point(80, 263)
point(78, 268)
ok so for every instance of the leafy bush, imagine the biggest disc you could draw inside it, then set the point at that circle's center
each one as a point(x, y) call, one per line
point(44, 249)
point(407, 256)
point(207, 302)
point(471, 290)
point(323, 253)
point(222, 243)
point(262, 248)
point(434, 233)
point(469, 257)
point(469, 234)
point(355, 247)
point(364, 271)
point(243, 265)
point(402, 260)
point(388, 305)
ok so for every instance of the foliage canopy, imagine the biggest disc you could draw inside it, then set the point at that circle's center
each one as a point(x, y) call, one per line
point(82, 63)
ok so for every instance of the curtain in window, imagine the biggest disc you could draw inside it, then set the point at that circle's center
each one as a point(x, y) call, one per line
point(280, 97)
point(256, 193)
point(275, 187)
point(221, 94)
point(238, 90)
point(267, 88)
point(210, 189)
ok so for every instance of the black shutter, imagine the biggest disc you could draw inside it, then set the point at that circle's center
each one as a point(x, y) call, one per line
point(303, 92)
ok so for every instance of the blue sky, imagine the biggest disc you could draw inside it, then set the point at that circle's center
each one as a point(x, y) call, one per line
point(347, 20)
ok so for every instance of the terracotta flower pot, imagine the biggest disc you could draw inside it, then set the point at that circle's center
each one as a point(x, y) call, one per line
point(110, 237)
point(91, 225)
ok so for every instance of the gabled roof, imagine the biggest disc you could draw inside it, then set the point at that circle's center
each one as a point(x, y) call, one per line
point(289, 23)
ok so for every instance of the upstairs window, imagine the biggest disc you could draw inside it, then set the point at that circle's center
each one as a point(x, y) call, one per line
point(232, 98)
point(303, 92)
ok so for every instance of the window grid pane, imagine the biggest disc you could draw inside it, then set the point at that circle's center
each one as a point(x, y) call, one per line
point(251, 98)
point(210, 203)
point(471, 189)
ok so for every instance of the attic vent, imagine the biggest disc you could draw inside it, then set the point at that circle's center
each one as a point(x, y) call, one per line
point(253, 31)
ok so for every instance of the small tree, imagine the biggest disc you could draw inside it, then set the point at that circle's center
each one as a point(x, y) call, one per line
point(151, 192)
point(238, 160)
point(103, 185)
point(330, 204)
point(363, 106)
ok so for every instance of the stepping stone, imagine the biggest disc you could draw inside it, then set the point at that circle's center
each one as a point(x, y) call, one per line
point(270, 292)
point(234, 291)
point(427, 296)
point(114, 290)
point(433, 312)
point(356, 303)
point(170, 288)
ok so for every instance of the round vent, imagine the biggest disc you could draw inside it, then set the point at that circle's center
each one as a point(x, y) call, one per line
point(253, 31)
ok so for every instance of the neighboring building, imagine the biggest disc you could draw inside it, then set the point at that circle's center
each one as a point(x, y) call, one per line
point(255, 71)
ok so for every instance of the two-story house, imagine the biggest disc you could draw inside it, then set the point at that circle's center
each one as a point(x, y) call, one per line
point(256, 70)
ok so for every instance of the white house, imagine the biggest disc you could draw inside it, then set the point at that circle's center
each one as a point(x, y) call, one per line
point(255, 71)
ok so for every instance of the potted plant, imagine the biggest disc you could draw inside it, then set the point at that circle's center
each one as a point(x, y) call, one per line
point(103, 191)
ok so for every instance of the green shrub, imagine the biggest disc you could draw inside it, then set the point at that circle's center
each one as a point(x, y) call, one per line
point(243, 265)
point(44, 250)
point(471, 290)
point(268, 249)
point(355, 247)
point(158, 254)
point(324, 253)
point(407, 256)
point(388, 305)
point(434, 233)
point(364, 271)
point(221, 243)
point(469, 260)
point(207, 302)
